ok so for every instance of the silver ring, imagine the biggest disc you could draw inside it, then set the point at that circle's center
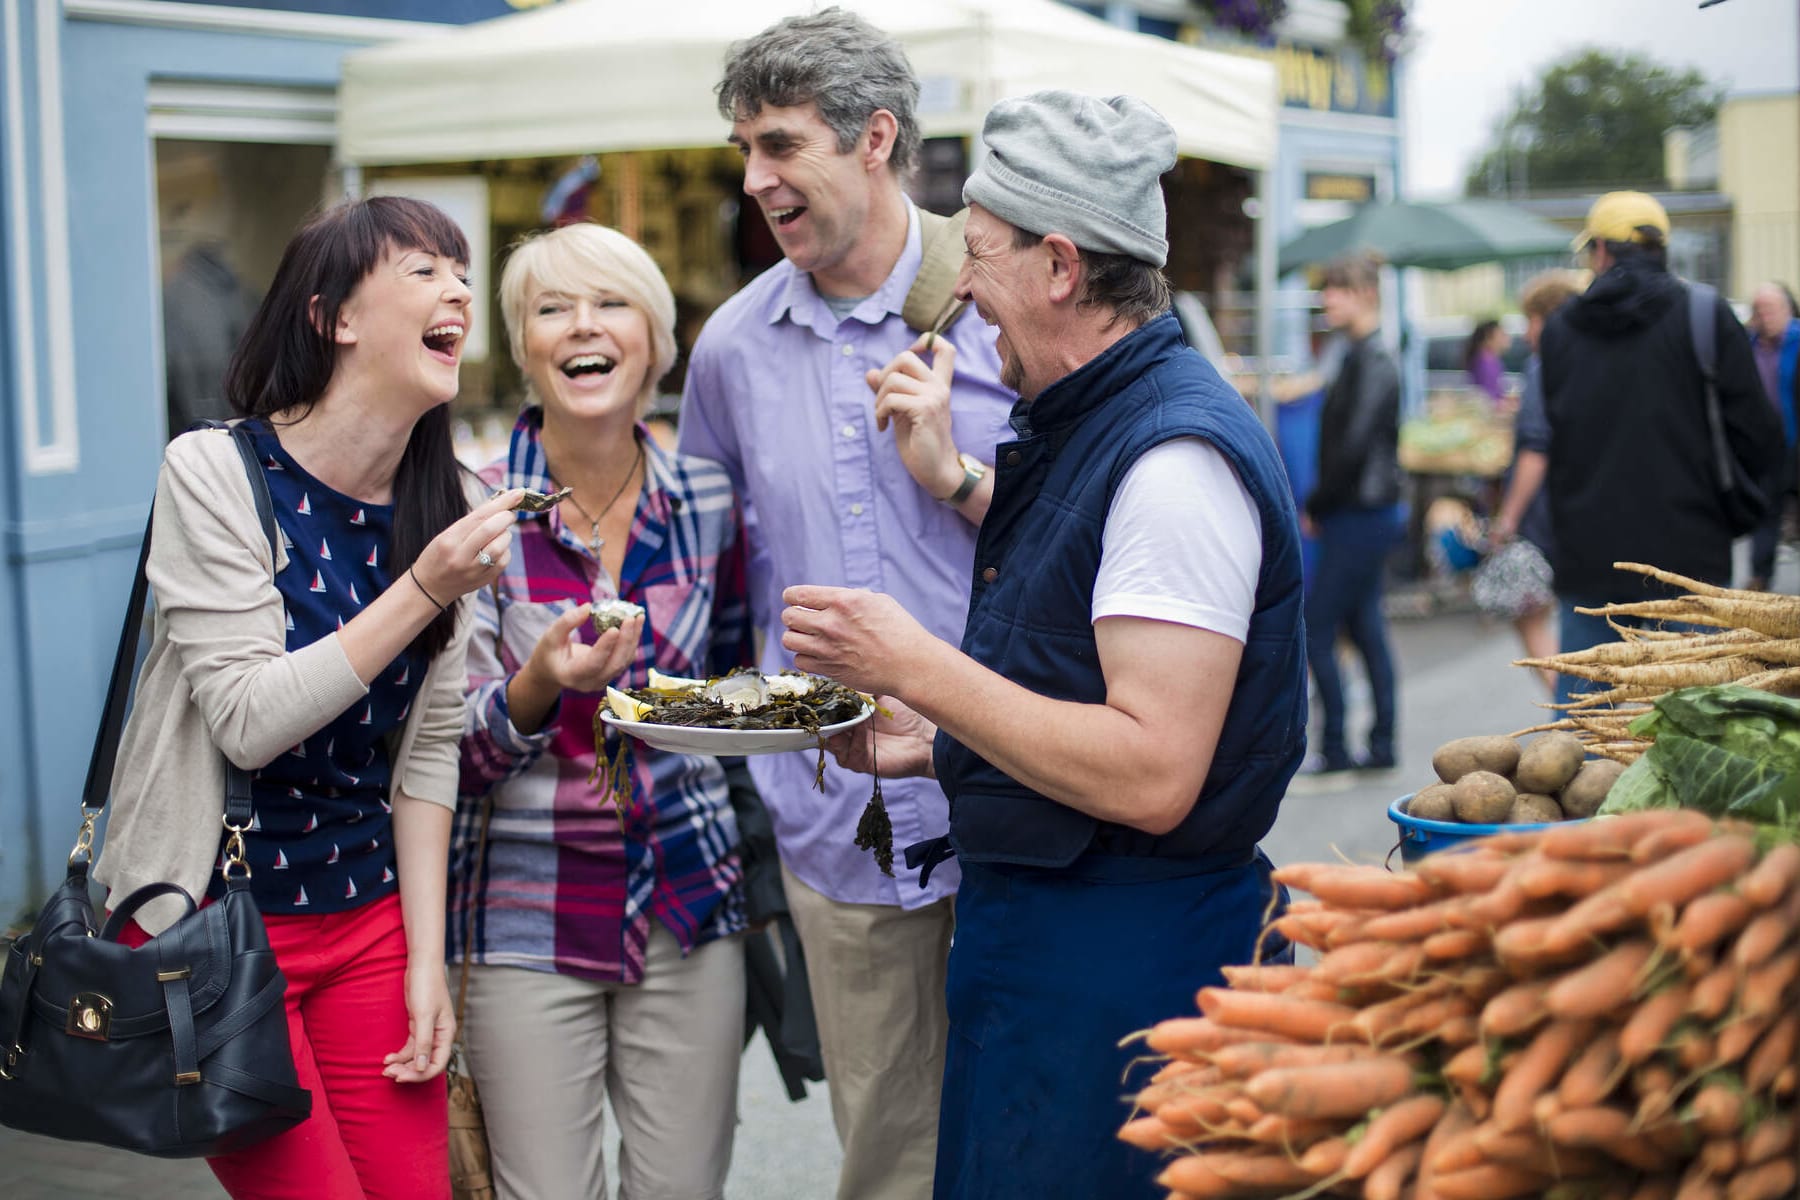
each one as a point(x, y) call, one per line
point(485, 559)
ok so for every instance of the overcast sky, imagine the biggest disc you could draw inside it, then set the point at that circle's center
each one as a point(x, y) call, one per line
point(1471, 57)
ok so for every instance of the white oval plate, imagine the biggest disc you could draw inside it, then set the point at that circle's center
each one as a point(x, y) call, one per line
point(688, 739)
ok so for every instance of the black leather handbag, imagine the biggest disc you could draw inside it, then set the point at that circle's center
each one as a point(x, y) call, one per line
point(179, 1047)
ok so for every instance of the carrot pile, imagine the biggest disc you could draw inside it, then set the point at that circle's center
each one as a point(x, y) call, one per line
point(1756, 644)
point(1604, 1009)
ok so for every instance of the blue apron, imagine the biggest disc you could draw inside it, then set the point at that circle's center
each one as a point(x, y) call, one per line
point(1048, 971)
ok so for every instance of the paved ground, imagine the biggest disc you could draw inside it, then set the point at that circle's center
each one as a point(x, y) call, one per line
point(1456, 680)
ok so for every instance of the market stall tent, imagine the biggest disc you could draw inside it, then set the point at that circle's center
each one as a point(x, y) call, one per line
point(587, 76)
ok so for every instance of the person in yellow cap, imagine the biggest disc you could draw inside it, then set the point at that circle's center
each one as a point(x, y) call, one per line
point(1633, 474)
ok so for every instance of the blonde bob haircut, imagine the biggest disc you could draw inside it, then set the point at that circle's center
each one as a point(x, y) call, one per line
point(581, 260)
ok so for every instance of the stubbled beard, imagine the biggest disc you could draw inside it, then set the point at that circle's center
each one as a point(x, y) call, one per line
point(1012, 374)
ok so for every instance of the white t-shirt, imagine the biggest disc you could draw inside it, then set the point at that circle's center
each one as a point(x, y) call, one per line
point(1183, 542)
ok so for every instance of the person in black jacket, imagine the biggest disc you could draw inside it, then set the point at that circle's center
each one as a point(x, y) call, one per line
point(1354, 512)
point(1631, 478)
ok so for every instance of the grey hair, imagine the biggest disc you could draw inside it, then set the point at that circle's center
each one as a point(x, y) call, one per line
point(833, 59)
point(1134, 291)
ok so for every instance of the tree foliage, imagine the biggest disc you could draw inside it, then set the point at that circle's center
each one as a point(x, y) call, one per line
point(1594, 120)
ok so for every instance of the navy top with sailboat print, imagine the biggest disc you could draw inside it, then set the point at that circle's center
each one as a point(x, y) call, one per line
point(321, 839)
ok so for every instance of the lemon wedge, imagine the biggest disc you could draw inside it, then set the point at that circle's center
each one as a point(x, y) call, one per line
point(672, 683)
point(624, 707)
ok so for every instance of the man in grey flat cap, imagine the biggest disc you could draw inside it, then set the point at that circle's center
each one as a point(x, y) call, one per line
point(1129, 700)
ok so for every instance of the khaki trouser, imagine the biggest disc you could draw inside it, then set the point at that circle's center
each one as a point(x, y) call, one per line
point(877, 979)
point(548, 1050)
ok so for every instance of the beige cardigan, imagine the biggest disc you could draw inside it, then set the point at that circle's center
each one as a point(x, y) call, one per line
point(219, 678)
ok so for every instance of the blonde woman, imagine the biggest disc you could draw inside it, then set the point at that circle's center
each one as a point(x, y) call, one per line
point(604, 961)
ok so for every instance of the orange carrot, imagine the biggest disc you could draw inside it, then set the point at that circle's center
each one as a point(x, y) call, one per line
point(1452, 944)
point(1274, 978)
point(1591, 918)
point(1690, 873)
point(1521, 942)
point(1787, 1082)
point(1310, 928)
point(1148, 1133)
point(1612, 838)
point(1661, 843)
point(1332, 1089)
point(1709, 920)
point(1197, 1173)
point(1736, 1038)
point(1762, 937)
point(1493, 910)
point(1450, 1019)
point(1400, 1124)
point(1536, 1070)
point(1343, 966)
point(1607, 1129)
point(1720, 1157)
point(1603, 986)
point(1767, 987)
point(1386, 1181)
point(1697, 1185)
point(1244, 1111)
point(1455, 1122)
point(1713, 992)
point(1769, 1181)
point(1198, 1112)
point(1771, 1137)
point(1241, 1062)
point(1468, 873)
point(1775, 1051)
point(1456, 1032)
point(1353, 887)
point(1591, 1077)
point(1470, 1065)
point(1411, 924)
point(1490, 1181)
point(1655, 1188)
point(1325, 1157)
point(1515, 1010)
point(1695, 1048)
point(1304, 1020)
point(1540, 878)
point(1773, 877)
point(1195, 1036)
point(1277, 1129)
point(1717, 1109)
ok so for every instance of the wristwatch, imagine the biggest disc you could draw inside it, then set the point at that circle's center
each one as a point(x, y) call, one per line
point(974, 471)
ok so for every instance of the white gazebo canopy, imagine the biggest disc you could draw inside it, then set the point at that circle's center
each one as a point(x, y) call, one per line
point(587, 76)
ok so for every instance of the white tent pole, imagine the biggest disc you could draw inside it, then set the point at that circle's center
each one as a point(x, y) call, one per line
point(1265, 294)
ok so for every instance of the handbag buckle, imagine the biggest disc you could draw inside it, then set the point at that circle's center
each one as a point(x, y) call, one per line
point(234, 851)
point(83, 852)
point(10, 1061)
point(90, 1016)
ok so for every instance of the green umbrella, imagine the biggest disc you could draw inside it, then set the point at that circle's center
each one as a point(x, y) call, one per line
point(1438, 236)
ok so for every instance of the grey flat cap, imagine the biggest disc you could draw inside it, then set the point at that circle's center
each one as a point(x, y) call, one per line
point(1081, 166)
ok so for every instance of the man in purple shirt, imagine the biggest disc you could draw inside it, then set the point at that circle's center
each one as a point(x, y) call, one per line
point(823, 109)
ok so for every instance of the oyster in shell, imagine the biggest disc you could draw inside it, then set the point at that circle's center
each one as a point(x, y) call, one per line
point(539, 502)
point(740, 692)
point(610, 614)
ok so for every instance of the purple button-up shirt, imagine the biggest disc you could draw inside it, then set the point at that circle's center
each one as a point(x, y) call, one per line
point(776, 393)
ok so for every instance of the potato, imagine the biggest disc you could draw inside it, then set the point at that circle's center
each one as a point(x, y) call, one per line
point(1482, 798)
point(1532, 808)
point(1453, 760)
point(1584, 793)
point(1433, 803)
point(1548, 762)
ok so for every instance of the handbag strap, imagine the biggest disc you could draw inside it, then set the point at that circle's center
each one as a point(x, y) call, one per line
point(98, 787)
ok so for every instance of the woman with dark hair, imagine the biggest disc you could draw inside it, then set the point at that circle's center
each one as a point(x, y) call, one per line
point(331, 668)
point(1481, 358)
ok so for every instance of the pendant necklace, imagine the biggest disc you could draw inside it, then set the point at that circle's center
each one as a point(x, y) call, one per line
point(595, 541)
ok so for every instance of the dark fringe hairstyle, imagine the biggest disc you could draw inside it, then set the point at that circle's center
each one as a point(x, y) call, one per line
point(287, 355)
point(1477, 339)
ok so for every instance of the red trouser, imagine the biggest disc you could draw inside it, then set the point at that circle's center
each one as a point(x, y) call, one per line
point(369, 1138)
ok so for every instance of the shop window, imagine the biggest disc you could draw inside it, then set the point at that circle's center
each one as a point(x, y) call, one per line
point(225, 211)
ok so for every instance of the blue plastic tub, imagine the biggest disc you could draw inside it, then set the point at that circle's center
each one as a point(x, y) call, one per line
point(1419, 837)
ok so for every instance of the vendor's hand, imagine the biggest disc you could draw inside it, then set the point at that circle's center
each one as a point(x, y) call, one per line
point(430, 1026)
point(450, 566)
point(570, 664)
point(916, 399)
point(1308, 528)
point(1502, 530)
point(895, 743)
point(864, 640)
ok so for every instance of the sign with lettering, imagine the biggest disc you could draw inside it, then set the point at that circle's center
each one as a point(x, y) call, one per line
point(1339, 185)
point(1320, 79)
